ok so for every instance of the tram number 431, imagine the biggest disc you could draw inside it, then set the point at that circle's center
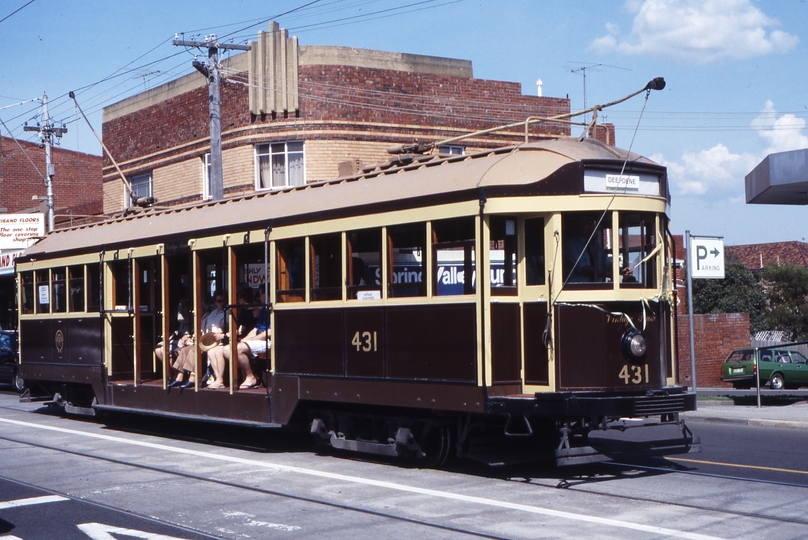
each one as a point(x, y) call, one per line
point(634, 374)
point(365, 342)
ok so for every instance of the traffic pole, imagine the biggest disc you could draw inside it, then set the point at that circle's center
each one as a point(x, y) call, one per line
point(689, 264)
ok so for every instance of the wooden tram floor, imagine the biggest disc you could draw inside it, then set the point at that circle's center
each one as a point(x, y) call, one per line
point(158, 383)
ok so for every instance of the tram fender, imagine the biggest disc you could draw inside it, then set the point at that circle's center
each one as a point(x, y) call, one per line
point(285, 397)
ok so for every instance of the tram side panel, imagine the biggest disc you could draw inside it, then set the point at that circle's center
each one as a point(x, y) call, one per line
point(397, 356)
point(62, 352)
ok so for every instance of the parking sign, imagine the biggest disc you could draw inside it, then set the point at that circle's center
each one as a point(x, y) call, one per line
point(707, 257)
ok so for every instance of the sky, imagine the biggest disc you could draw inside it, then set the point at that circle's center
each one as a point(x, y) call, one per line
point(736, 72)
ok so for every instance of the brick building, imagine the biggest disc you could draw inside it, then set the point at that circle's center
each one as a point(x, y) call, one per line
point(77, 188)
point(76, 183)
point(299, 114)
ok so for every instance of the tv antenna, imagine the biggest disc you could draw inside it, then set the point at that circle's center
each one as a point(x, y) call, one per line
point(588, 66)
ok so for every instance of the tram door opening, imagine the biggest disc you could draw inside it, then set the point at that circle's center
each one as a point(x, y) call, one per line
point(535, 357)
point(147, 292)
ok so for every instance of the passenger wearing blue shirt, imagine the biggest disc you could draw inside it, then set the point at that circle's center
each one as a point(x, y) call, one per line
point(256, 342)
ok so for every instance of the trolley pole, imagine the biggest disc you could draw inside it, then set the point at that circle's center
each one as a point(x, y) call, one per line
point(46, 133)
point(689, 263)
point(211, 71)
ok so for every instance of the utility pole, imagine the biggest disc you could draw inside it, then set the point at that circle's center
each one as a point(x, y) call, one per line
point(211, 71)
point(46, 133)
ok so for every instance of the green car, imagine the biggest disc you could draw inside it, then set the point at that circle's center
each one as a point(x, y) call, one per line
point(778, 368)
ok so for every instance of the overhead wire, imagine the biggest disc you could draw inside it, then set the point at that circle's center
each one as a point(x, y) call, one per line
point(58, 103)
point(472, 110)
point(17, 10)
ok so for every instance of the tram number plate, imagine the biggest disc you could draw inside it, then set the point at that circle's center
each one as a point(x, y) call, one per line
point(736, 370)
point(634, 374)
point(365, 342)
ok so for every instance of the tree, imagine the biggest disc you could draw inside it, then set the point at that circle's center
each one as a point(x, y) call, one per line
point(738, 292)
point(786, 287)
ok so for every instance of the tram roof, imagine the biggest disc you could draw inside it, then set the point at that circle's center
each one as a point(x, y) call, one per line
point(405, 178)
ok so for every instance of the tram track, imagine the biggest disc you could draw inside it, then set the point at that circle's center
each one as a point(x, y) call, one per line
point(584, 479)
point(566, 483)
point(224, 483)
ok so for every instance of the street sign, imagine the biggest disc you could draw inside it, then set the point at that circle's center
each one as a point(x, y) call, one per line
point(707, 257)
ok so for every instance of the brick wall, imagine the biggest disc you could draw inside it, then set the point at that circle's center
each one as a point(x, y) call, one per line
point(346, 113)
point(77, 184)
point(716, 335)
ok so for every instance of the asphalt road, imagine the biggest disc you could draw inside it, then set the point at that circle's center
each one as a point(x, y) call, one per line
point(747, 482)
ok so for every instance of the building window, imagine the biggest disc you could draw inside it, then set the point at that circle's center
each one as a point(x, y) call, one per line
point(279, 165)
point(141, 188)
point(452, 149)
point(206, 177)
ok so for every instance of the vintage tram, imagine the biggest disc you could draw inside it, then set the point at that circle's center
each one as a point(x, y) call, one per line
point(433, 306)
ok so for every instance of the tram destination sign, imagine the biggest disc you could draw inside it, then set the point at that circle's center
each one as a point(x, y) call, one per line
point(18, 231)
point(707, 257)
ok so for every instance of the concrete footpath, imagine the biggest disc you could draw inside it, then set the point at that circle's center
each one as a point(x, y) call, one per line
point(787, 410)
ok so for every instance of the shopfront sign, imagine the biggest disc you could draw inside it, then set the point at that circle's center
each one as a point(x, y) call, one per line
point(18, 231)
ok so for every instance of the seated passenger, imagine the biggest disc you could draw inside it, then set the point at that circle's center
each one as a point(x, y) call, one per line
point(254, 343)
point(213, 324)
point(180, 337)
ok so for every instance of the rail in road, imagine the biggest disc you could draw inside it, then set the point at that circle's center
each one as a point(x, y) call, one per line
point(228, 491)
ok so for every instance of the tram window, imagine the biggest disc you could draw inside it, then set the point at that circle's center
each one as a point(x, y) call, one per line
point(27, 291)
point(58, 292)
point(406, 254)
point(587, 251)
point(121, 285)
point(453, 256)
point(213, 264)
point(364, 253)
point(149, 285)
point(291, 271)
point(637, 241)
point(76, 286)
point(93, 288)
point(250, 264)
point(502, 254)
point(42, 291)
point(534, 251)
point(326, 267)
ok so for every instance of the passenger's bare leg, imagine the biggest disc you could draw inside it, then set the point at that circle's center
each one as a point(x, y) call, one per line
point(216, 357)
point(244, 365)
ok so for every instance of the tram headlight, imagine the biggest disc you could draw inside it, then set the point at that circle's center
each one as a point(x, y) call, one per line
point(633, 345)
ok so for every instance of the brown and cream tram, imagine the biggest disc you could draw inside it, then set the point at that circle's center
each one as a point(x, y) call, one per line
point(435, 306)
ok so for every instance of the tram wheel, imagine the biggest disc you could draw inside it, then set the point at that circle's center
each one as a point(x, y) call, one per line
point(18, 382)
point(437, 446)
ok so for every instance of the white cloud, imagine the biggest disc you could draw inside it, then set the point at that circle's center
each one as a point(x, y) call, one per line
point(716, 168)
point(697, 31)
point(719, 171)
point(783, 133)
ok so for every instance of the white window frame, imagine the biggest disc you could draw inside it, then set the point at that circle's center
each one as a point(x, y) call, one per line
point(206, 196)
point(276, 150)
point(452, 149)
point(136, 182)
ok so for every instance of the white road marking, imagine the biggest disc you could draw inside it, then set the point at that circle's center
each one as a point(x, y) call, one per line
point(379, 483)
point(100, 531)
point(32, 500)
